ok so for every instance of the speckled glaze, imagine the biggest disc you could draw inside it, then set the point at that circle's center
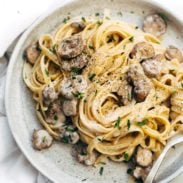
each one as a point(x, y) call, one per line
point(57, 162)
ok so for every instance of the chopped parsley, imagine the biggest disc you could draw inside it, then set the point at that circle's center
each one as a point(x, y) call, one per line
point(96, 92)
point(107, 18)
point(65, 20)
point(91, 76)
point(91, 47)
point(101, 170)
point(54, 48)
point(55, 117)
point(46, 72)
point(126, 156)
point(44, 139)
point(78, 95)
point(102, 163)
point(136, 27)
point(84, 180)
point(142, 123)
point(120, 13)
point(132, 12)
point(128, 124)
point(117, 124)
point(83, 19)
point(97, 14)
point(75, 71)
point(131, 38)
point(163, 16)
point(100, 139)
point(99, 23)
point(70, 129)
point(129, 96)
point(65, 139)
point(129, 171)
point(181, 84)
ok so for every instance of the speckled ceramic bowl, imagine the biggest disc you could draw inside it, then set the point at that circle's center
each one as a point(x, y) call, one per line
point(57, 162)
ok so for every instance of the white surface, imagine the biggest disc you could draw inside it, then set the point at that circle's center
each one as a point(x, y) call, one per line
point(17, 15)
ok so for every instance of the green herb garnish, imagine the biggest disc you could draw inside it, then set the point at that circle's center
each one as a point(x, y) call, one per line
point(99, 23)
point(70, 129)
point(136, 27)
point(91, 76)
point(75, 71)
point(128, 124)
point(46, 72)
point(163, 16)
point(55, 117)
point(129, 96)
point(65, 20)
point(65, 139)
point(97, 14)
point(101, 170)
point(78, 95)
point(91, 47)
point(131, 38)
point(83, 19)
point(120, 13)
point(126, 156)
point(142, 123)
point(181, 84)
point(117, 124)
point(44, 139)
point(129, 171)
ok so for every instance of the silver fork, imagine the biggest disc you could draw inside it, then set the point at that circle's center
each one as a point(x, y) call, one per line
point(173, 141)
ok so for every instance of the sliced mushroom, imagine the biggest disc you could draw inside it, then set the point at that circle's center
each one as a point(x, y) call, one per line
point(79, 84)
point(32, 53)
point(78, 62)
point(140, 172)
point(173, 52)
point(70, 107)
point(49, 94)
point(141, 90)
point(41, 139)
point(152, 67)
point(88, 159)
point(125, 92)
point(72, 137)
point(70, 86)
point(141, 83)
point(55, 115)
point(144, 157)
point(78, 26)
point(142, 50)
point(71, 47)
point(154, 24)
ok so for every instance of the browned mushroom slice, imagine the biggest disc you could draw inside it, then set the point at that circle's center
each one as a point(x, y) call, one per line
point(125, 92)
point(144, 157)
point(141, 83)
point(142, 50)
point(87, 159)
point(154, 24)
point(49, 94)
point(77, 62)
point(140, 172)
point(32, 53)
point(54, 115)
point(141, 90)
point(173, 52)
point(151, 67)
point(41, 139)
point(71, 47)
point(78, 26)
point(70, 107)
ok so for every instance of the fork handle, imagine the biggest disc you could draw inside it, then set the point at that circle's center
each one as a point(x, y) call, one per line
point(156, 165)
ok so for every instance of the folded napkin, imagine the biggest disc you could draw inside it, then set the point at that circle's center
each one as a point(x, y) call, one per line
point(15, 16)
